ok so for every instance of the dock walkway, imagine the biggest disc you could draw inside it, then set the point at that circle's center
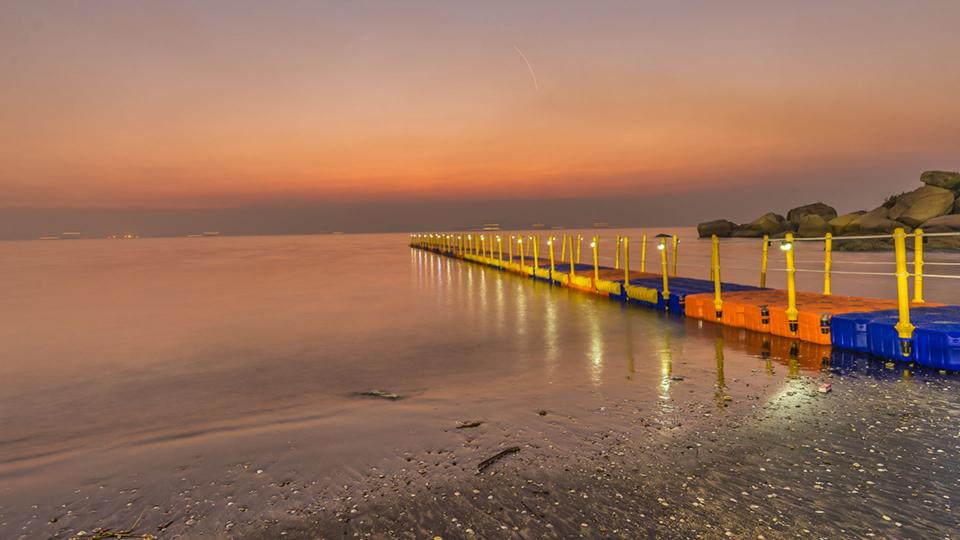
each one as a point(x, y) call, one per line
point(883, 328)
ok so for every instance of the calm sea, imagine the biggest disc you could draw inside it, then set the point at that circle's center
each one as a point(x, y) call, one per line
point(130, 369)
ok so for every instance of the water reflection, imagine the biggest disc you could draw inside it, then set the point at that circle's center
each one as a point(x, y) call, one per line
point(628, 331)
point(550, 335)
point(720, 386)
point(596, 343)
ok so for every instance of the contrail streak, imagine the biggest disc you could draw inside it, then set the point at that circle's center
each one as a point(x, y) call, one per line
point(533, 74)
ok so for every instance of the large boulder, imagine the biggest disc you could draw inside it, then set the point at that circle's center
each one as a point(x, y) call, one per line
point(847, 223)
point(812, 225)
point(921, 204)
point(877, 221)
point(826, 212)
point(768, 223)
point(944, 179)
point(719, 227)
point(949, 223)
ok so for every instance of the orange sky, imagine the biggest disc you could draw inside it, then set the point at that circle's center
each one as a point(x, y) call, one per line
point(219, 104)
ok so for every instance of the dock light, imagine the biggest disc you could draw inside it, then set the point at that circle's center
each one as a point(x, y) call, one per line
point(593, 244)
point(661, 247)
point(520, 241)
point(550, 242)
point(469, 237)
point(498, 239)
point(786, 246)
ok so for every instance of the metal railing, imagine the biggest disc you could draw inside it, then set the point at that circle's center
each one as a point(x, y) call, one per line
point(491, 247)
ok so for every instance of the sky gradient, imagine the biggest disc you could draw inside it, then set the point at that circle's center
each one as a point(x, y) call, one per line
point(361, 115)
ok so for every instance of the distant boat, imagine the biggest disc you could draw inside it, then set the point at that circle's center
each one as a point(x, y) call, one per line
point(538, 226)
point(69, 236)
point(490, 227)
point(337, 232)
point(194, 235)
point(210, 233)
point(601, 225)
point(50, 237)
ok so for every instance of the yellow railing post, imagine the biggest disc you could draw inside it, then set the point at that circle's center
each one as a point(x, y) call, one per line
point(520, 247)
point(595, 246)
point(579, 241)
point(552, 265)
point(827, 262)
point(662, 246)
point(715, 259)
point(792, 311)
point(643, 253)
point(676, 248)
point(918, 266)
point(510, 248)
point(536, 253)
point(626, 260)
point(616, 263)
point(572, 266)
point(763, 260)
point(500, 248)
point(904, 328)
point(563, 248)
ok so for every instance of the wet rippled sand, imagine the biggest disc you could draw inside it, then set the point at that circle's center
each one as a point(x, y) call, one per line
point(227, 406)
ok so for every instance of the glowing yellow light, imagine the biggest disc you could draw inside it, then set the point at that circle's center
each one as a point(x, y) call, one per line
point(786, 246)
point(593, 244)
point(661, 247)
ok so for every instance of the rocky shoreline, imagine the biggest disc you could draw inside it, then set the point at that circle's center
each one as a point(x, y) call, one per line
point(933, 207)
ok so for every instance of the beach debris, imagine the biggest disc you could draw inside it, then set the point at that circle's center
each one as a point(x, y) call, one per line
point(483, 465)
point(542, 413)
point(378, 394)
point(677, 378)
point(103, 533)
point(824, 388)
point(466, 424)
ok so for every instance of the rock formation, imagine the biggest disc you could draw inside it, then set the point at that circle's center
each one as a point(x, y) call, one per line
point(934, 207)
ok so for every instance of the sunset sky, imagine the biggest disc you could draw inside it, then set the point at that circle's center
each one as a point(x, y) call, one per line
point(363, 115)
